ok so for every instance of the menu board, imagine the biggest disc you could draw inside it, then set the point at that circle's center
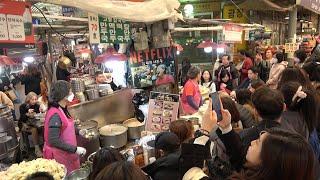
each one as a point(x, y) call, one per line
point(163, 109)
point(113, 30)
point(16, 29)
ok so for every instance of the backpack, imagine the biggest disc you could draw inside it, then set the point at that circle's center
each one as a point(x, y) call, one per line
point(228, 69)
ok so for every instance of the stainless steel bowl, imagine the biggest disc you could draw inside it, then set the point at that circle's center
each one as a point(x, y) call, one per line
point(79, 174)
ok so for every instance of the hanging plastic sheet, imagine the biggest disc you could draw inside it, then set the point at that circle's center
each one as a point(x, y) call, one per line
point(149, 11)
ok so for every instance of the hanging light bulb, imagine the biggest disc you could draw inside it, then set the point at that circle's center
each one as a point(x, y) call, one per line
point(188, 10)
point(207, 49)
point(178, 52)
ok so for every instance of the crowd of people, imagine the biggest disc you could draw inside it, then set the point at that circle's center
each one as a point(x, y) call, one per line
point(269, 129)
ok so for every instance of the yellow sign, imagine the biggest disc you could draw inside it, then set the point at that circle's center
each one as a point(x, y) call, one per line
point(206, 7)
point(236, 15)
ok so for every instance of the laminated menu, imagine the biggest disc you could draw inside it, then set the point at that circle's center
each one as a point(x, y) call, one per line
point(163, 109)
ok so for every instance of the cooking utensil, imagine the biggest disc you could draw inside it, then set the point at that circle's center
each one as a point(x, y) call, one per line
point(134, 128)
point(79, 174)
point(113, 135)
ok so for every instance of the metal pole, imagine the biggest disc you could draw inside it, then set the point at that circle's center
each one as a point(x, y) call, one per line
point(292, 30)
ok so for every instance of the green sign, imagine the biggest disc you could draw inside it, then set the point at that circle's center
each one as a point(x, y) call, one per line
point(113, 30)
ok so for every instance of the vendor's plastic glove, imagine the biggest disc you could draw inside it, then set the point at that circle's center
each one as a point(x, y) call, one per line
point(81, 151)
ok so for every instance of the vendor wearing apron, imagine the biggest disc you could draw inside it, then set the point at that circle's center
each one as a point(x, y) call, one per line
point(191, 96)
point(59, 132)
point(164, 82)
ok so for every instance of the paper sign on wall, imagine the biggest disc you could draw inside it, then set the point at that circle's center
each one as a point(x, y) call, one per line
point(16, 25)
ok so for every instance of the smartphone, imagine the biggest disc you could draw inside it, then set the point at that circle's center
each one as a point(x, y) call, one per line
point(216, 105)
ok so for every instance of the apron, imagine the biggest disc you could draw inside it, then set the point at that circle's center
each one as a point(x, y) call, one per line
point(187, 109)
point(67, 134)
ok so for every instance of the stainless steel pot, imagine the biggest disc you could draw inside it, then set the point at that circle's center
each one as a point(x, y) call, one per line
point(88, 137)
point(79, 174)
point(113, 135)
point(134, 128)
point(92, 94)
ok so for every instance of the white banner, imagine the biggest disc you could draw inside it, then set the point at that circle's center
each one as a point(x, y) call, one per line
point(148, 11)
point(3, 27)
point(16, 27)
point(94, 33)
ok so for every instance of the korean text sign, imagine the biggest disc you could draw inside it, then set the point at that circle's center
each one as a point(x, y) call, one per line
point(16, 24)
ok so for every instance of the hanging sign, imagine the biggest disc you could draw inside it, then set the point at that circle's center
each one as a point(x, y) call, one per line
point(163, 109)
point(94, 34)
point(291, 47)
point(108, 30)
point(312, 5)
point(16, 29)
point(147, 65)
point(232, 33)
point(113, 30)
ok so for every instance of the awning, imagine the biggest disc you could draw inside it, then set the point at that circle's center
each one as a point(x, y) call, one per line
point(148, 11)
point(312, 5)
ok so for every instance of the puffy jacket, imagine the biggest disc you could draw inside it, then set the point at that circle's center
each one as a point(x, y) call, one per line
point(164, 168)
point(275, 73)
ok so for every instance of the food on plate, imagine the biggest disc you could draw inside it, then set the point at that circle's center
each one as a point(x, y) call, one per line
point(168, 106)
point(165, 127)
point(156, 119)
point(156, 127)
point(157, 112)
point(167, 120)
point(167, 113)
point(158, 104)
point(24, 169)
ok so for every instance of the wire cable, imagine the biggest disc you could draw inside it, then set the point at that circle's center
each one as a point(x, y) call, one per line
point(57, 32)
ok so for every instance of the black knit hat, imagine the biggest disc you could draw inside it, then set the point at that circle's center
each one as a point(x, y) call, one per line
point(59, 90)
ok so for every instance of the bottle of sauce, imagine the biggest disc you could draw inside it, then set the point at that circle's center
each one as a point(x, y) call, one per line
point(27, 21)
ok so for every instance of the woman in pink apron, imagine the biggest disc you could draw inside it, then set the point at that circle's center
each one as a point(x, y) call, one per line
point(59, 132)
point(191, 96)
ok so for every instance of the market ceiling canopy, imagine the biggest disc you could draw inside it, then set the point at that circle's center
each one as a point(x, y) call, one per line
point(148, 11)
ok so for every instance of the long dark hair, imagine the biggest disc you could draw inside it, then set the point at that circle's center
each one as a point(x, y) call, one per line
point(294, 74)
point(230, 105)
point(283, 155)
point(121, 170)
point(103, 158)
point(202, 79)
point(307, 107)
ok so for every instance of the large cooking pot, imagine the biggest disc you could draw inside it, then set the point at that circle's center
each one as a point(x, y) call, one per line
point(134, 128)
point(88, 137)
point(113, 135)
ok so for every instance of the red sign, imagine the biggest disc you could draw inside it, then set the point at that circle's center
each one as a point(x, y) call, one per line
point(16, 24)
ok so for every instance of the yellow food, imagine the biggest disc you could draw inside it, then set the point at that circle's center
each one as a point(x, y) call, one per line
point(24, 169)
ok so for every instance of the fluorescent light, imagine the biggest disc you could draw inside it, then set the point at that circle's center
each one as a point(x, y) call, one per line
point(207, 49)
point(28, 59)
point(220, 50)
